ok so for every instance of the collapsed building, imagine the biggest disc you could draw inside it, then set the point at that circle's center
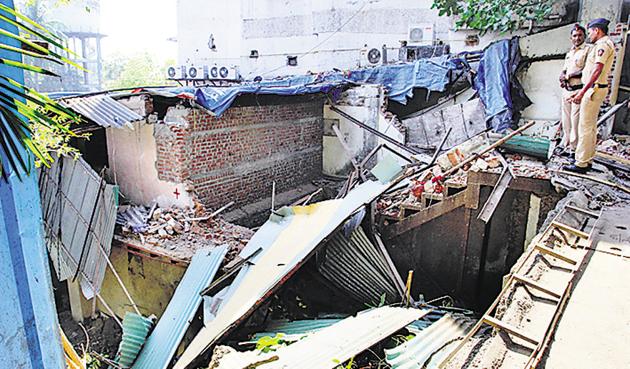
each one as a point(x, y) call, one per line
point(463, 245)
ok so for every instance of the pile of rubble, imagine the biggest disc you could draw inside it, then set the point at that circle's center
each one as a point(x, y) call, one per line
point(180, 232)
point(433, 183)
point(618, 147)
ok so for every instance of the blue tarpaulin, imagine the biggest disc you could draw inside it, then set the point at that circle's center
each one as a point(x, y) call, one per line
point(433, 74)
point(498, 87)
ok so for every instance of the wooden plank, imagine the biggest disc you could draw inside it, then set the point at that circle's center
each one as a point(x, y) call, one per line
point(619, 159)
point(495, 197)
point(569, 229)
point(508, 328)
point(545, 250)
point(525, 280)
point(518, 183)
point(449, 204)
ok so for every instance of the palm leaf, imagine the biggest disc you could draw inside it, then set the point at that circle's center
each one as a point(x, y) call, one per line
point(20, 105)
point(9, 145)
point(29, 53)
point(31, 68)
point(26, 19)
point(44, 51)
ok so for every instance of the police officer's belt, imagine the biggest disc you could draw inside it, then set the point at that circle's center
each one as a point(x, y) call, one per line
point(574, 87)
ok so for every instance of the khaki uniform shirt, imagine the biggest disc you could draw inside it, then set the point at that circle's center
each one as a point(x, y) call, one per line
point(603, 51)
point(574, 62)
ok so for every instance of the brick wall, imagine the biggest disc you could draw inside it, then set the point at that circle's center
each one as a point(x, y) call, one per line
point(237, 157)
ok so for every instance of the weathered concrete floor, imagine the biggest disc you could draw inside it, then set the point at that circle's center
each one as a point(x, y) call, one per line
point(594, 330)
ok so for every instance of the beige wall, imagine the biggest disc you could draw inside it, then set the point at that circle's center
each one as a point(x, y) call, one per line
point(132, 155)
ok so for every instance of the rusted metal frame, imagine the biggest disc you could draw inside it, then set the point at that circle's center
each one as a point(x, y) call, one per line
point(495, 196)
point(535, 285)
point(567, 228)
point(545, 250)
point(496, 323)
point(446, 205)
point(372, 130)
point(536, 355)
point(507, 286)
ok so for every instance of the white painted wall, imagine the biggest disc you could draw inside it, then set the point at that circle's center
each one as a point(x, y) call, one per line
point(197, 20)
point(324, 34)
point(363, 103)
point(333, 32)
point(132, 156)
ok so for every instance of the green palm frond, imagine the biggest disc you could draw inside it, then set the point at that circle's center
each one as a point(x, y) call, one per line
point(21, 106)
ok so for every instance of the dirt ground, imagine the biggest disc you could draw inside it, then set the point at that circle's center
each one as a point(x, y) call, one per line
point(103, 332)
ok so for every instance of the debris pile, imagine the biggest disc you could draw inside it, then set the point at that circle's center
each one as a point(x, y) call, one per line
point(618, 147)
point(180, 232)
point(433, 184)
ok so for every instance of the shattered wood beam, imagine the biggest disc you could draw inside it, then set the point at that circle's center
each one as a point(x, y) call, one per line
point(487, 149)
point(372, 130)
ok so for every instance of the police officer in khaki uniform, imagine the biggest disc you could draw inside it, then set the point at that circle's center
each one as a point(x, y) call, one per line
point(571, 81)
point(595, 80)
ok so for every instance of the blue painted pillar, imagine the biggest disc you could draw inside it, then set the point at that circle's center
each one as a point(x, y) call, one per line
point(29, 334)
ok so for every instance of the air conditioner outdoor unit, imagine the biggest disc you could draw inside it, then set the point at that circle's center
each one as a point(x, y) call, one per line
point(197, 73)
point(370, 56)
point(176, 72)
point(422, 33)
point(223, 72)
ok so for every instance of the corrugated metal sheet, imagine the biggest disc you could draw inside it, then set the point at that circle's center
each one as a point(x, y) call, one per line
point(294, 330)
point(170, 329)
point(285, 242)
point(102, 110)
point(79, 213)
point(354, 265)
point(330, 346)
point(431, 345)
point(300, 328)
point(135, 330)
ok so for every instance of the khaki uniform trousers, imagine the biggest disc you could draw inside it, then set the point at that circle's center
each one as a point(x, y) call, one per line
point(570, 120)
point(587, 126)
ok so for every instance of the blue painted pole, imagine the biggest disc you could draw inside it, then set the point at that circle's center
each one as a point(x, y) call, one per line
point(29, 333)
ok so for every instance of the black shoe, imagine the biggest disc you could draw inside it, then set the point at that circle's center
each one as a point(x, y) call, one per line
point(566, 154)
point(574, 168)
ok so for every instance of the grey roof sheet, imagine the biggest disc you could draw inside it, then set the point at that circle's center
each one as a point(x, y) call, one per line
point(431, 345)
point(102, 110)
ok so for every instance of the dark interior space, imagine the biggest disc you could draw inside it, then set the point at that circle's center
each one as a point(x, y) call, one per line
point(460, 256)
point(93, 149)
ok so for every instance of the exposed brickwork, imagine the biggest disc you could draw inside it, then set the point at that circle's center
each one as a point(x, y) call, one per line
point(237, 157)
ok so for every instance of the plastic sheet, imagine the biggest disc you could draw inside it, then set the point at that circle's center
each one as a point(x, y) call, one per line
point(499, 89)
point(433, 74)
